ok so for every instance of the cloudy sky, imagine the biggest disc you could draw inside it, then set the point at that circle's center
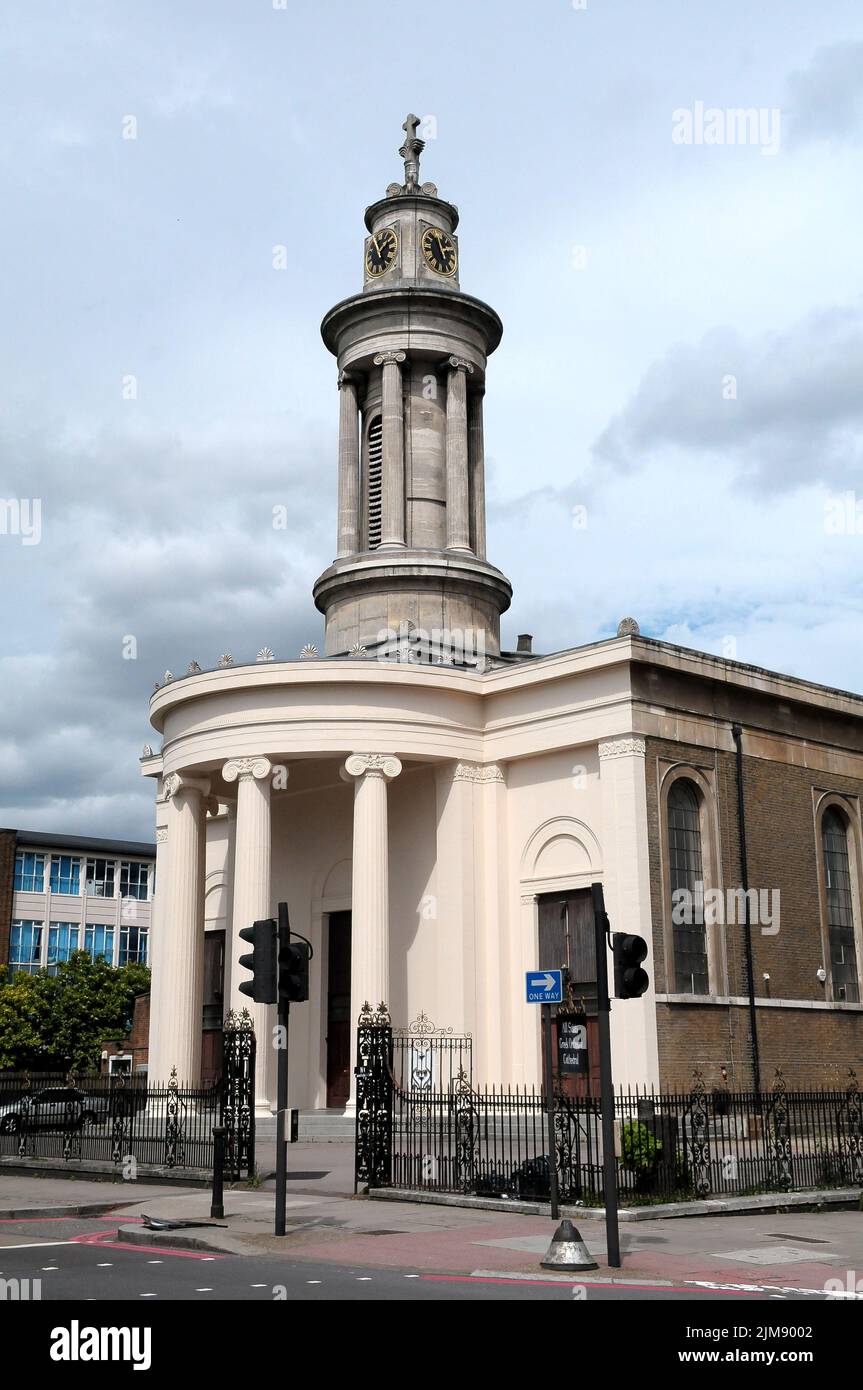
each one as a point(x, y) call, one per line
point(673, 420)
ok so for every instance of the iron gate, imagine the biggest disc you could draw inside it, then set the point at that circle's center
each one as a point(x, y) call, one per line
point(238, 1095)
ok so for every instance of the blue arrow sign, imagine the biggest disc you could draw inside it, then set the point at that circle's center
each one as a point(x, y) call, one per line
point(544, 986)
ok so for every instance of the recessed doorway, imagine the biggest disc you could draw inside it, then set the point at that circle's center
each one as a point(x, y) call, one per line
point(338, 1010)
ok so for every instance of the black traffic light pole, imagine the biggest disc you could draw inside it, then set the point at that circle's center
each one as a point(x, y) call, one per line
point(282, 1084)
point(606, 1083)
point(280, 973)
point(553, 1191)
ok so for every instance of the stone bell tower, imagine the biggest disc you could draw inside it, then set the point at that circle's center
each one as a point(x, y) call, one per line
point(412, 352)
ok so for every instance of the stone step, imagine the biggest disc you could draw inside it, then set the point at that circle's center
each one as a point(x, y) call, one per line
point(316, 1127)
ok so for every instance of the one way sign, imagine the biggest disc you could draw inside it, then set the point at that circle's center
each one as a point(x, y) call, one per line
point(544, 986)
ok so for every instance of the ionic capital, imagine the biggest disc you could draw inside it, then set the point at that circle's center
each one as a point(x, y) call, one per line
point(177, 782)
point(459, 364)
point(385, 359)
point(385, 765)
point(246, 769)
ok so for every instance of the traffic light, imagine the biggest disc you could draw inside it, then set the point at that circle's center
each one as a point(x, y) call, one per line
point(293, 970)
point(261, 960)
point(630, 981)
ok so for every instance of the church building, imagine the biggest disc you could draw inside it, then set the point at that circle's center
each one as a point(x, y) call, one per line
point(434, 808)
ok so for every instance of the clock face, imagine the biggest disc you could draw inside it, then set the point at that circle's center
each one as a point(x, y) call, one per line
point(381, 251)
point(439, 251)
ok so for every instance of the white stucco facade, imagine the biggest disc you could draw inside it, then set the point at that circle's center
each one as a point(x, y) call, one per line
point(490, 789)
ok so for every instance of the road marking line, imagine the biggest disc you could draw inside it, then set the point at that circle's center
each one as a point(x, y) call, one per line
point(147, 1295)
point(203, 1290)
point(257, 1286)
point(37, 1245)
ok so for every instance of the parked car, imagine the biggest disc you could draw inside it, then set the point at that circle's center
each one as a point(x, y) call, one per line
point(56, 1108)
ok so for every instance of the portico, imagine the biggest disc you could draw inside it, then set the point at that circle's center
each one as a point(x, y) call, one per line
point(434, 805)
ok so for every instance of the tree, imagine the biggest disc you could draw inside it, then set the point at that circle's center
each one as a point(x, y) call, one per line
point(65, 1017)
point(21, 1009)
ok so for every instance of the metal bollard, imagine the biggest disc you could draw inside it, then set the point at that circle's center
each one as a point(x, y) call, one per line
point(217, 1207)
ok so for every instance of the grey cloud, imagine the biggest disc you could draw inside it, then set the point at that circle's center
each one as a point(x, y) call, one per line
point(797, 416)
point(826, 98)
point(171, 542)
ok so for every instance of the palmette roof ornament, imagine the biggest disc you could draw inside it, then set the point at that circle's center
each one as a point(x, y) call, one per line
point(628, 627)
point(309, 652)
point(147, 752)
point(410, 153)
point(226, 660)
point(192, 669)
point(168, 677)
point(265, 654)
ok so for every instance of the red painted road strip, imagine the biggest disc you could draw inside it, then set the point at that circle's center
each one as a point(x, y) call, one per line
point(105, 1244)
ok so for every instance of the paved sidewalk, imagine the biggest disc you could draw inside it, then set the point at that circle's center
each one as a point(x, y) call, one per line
point(786, 1251)
point(761, 1252)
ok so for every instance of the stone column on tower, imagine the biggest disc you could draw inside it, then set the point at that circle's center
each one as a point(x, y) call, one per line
point(457, 479)
point(176, 1040)
point(349, 466)
point(251, 900)
point(476, 460)
point(370, 894)
point(393, 457)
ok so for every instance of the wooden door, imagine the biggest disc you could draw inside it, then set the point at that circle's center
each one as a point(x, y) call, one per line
point(339, 1011)
point(566, 941)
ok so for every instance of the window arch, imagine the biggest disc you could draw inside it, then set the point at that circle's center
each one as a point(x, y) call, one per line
point(839, 902)
point(374, 483)
point(686, 875)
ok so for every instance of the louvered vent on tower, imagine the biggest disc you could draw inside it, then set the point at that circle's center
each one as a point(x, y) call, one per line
point(375, 457)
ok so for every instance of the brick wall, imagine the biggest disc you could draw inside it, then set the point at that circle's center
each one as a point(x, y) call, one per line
point(136, 1040)
point(7, 882)
point(814, 1047)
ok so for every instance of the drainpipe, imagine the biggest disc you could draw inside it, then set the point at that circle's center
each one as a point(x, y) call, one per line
point(737, 735)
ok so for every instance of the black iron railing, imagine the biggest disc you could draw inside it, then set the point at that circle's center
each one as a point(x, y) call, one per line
point(120, 1121)
point(493, 1141)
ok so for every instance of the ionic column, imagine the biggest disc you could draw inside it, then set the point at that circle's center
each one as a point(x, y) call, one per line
point(251, 903)
point(476, 455)
point(457, 485)
point(393, 450)
point(370, 885)
point(176, 1031)
point(349, 466)
point(160, 985)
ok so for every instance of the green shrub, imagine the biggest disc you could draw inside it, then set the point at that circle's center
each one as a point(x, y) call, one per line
point(640, 1147)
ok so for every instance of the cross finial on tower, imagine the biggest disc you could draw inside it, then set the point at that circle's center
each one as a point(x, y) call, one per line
point(410, 153)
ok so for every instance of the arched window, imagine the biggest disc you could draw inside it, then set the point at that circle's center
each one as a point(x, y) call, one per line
point(374, 481)
point(840, 906)
point(686, 872)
